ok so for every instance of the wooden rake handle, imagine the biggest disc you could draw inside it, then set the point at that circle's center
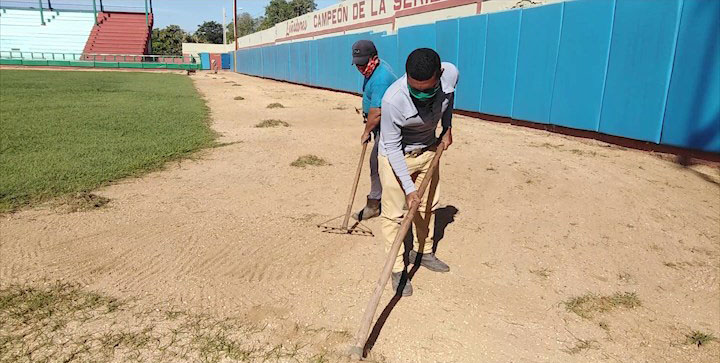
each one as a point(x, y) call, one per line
point(371, 309)
point(354, 187)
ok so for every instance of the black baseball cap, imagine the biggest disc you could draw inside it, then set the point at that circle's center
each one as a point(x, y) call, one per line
point(362, 51)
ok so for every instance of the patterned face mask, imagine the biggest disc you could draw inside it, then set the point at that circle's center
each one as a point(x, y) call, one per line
point(370, 67)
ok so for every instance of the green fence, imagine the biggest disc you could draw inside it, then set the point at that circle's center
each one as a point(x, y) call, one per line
point(98, 60)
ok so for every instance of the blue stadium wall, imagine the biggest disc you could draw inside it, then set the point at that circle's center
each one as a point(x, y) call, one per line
point(644, 70)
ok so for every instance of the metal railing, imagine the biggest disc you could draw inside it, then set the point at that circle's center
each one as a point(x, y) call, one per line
point(81, 6)
point(170, 59)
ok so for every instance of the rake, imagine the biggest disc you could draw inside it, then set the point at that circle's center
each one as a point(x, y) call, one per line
point(357, 351)
point(357, 228)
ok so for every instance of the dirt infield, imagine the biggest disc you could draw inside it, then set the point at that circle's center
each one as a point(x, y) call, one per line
point(561, 249)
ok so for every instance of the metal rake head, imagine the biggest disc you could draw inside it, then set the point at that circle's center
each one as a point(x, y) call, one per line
point(357, 228)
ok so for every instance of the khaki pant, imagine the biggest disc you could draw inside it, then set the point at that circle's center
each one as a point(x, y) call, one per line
point(393, 204)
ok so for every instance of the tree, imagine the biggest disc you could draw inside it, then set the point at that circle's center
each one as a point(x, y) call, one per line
point(168, 40)
point(210, 32)
point(302, 7)
point(277, 11)
point(246, 25)
point(280, 10)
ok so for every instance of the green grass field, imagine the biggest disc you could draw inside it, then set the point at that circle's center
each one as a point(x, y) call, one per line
point(64, 132)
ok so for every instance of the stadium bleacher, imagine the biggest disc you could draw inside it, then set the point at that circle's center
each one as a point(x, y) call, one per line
point(63, 32)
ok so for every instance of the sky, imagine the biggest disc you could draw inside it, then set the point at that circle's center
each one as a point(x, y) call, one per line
point(188, 14)
point(191, 13)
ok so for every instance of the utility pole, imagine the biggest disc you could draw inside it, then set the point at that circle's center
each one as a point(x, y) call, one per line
point(235, 23)
point(224, 28)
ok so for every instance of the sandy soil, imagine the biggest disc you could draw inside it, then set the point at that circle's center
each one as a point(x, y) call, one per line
point(530, 220)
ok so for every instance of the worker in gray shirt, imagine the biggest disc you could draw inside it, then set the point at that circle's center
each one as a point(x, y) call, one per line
point(411, 110)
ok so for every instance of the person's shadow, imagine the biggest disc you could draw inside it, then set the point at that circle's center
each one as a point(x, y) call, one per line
point(443, 217)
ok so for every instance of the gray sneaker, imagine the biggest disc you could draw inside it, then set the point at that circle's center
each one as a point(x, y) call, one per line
point(401, 279)
point(371, 210)
point(429, 261)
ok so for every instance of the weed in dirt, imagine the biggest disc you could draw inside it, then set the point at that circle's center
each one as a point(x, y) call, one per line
point(580, 346)
point(236, 85)
point(542, 272)
point(238, 98)
point(60, 322)
point(223, 144)
point(585, 153)
point(547, 145)
point(586, 305)
point(625, 277)
point(699, 338)
point(672, 265)
point(320, 358)
point(229, 81)
point(306, 160)
point(272, 123)
point(340, 107)
point(275, 105)
point(80, 202)
point(604, 325)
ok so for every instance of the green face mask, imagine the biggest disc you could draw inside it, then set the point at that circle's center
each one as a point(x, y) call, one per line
point(423, 96)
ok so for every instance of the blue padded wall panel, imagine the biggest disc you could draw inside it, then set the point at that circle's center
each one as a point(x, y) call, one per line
point(246, 61)
point(295, 64)
point(272, 70)
point(242, 61)
point(341, 49)
point(257, 61)
point(305, 58)
point(446, 40)
point(582, 63)
point(641, 56)
point(313, 66)
point(388, 51)
point(414, 37)
point(537, 58)
point(471, 62)
point(324, 50)
point(205, 60)
point(282, 61)
point(250, 61)
point(268, 60)
point(500, 63)
point(335, 66)
point(692, 115)
point(291, 63)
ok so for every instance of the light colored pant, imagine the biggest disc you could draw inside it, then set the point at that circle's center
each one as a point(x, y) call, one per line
point(375, 185)
point(393, 205)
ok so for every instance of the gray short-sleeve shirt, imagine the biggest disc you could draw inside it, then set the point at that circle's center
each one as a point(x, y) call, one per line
point(404, 128)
